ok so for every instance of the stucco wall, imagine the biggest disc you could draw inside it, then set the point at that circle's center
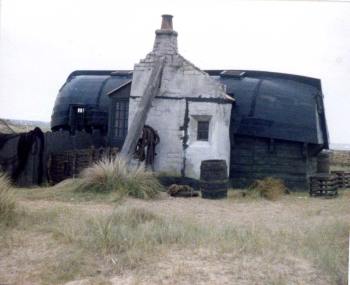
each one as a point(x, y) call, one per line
point(218, 145)
point(185, 91)
point(166, 117)
point(185, 95)
point(177, 154)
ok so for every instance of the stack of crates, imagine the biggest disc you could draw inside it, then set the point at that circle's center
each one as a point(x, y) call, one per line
point(343, 178)
point(324, 184)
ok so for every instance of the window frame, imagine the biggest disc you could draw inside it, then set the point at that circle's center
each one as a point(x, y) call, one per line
point(203, 133)
point(120, 119)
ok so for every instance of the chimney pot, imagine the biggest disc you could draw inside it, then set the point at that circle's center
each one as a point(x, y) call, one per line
point(166, 37)
point(167, 22)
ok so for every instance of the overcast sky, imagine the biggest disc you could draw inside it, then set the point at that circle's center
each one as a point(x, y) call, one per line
point(41, 42)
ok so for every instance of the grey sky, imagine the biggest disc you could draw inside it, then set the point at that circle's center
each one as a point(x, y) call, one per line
point(43, 41)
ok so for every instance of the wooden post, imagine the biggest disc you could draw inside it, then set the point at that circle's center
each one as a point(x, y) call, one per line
point(91, 155)
point(74, 163)
point(151, 91)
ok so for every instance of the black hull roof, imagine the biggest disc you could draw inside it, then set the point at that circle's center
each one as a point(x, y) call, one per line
point(268, 104)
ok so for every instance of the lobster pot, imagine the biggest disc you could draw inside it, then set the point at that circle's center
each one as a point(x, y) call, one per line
point(323, 162)
point(324, 185)
point(213, 179)
point(343, 178)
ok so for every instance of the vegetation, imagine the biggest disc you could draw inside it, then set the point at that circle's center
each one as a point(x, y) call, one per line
point(116, 175)
point(295, 239)
point(7, 201)
point(269, 188)
point(68, 191)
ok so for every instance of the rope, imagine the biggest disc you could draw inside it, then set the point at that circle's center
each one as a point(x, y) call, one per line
point(146, 146)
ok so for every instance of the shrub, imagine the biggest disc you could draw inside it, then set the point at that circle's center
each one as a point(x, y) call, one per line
point(7, 201)
point(269, 188)
point(116, 175)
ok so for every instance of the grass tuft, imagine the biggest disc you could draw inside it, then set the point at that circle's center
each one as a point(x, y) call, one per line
point(123, 231)
point(7, 201)
point(327, 251)
point(116, 175)
point(108, 243)
point(269, 188)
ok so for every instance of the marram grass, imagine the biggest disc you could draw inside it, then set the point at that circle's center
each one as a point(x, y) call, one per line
point(116, 175)
point(7, 201)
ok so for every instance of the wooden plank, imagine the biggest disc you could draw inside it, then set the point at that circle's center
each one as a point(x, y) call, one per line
point(138, 122)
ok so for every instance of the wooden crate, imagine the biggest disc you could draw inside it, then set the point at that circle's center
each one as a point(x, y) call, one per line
point(323, 185)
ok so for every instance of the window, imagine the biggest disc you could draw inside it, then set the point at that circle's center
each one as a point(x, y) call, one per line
point(80, 110)
point(203, 131)
point(121, 119)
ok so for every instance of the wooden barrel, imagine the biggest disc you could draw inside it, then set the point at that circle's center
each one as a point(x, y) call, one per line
point(323, 162)
point(213, 179)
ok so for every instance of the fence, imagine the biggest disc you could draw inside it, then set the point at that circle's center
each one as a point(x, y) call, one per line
point(67, 164)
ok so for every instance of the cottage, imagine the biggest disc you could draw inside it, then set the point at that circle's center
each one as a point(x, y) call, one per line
point(261, 123)
point(191, 111)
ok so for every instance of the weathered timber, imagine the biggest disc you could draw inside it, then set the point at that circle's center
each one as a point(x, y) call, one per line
point(323, 185)
point(67, 164)
point(214, 182)
point(343, 178)
point(253, 158)
point(151, 90)
point(323, 162)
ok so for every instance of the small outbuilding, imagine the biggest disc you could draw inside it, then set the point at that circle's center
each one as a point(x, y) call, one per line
point(191, 112)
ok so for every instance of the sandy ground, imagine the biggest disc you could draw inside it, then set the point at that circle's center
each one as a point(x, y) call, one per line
point(181, 266)
point(289, 210)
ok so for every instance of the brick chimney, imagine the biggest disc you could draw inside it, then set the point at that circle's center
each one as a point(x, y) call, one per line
point(166, 37)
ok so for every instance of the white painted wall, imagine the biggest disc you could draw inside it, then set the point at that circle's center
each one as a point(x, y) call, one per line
point(182, 80)
point(218, 145)
point(166, 117)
